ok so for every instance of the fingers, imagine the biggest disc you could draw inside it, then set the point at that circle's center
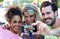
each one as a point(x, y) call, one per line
point(5, 26)
point(36, 23)
point(42, 27)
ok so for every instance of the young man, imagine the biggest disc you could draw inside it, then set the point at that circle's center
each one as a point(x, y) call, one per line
point(49, 16)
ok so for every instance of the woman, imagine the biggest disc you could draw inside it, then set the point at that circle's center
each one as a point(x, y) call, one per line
point(14, 18)
point(31, 15)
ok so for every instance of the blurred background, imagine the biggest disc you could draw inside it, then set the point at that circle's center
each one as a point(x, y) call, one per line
point(4, 4)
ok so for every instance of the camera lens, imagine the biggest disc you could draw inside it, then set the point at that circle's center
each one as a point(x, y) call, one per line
point(35, 28)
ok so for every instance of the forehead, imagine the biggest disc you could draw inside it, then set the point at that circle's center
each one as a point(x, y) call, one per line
point(16, 17)
point(46, 9)
point(27, 14)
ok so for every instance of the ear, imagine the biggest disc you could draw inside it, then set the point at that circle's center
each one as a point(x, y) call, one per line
point(56, 13)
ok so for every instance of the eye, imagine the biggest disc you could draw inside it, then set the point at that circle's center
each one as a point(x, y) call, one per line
point(15, 21)
point(20, 22)
point(48, 12)
point(43, 14)
point(31, 16)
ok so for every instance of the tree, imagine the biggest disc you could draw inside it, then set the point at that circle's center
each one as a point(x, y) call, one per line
point(1, 0)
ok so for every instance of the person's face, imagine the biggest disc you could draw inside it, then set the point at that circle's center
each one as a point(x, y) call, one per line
point(15, 23)
point(30, 18)
point(48, 16)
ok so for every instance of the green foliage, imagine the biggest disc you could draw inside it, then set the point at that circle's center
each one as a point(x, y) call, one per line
point(27, 1)
point(1, 0)
point(58, 4)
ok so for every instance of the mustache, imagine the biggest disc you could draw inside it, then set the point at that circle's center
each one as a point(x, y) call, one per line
point(47, 18)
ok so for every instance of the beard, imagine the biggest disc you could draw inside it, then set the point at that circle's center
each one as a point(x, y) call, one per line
point(51, 21)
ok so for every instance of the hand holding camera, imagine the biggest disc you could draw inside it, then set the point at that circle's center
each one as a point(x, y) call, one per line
point(42, 28)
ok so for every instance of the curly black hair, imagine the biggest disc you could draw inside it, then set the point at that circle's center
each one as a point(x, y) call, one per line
point(13, 11)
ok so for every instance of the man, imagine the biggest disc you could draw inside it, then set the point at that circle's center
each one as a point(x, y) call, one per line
point(49, 16)
point(49, 13)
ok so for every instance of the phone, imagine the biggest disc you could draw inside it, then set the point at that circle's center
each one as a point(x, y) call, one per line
point(30, 28)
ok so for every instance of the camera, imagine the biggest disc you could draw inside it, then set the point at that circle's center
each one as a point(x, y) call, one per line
point(29, 28)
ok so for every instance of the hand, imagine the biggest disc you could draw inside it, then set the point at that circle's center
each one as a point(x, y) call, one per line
point(42, 28)
point(6, 26)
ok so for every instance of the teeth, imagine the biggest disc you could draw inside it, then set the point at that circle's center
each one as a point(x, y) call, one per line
point(47, 20)
point(16, 27)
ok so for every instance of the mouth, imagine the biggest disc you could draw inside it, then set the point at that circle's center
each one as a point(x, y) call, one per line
point(47, 20)
point(17, 27)
point(29, 22)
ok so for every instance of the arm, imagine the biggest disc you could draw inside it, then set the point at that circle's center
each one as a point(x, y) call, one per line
point(56, 32)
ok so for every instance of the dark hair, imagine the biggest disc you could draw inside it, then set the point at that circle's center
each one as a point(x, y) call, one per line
point(47, 3)
point(13, 11)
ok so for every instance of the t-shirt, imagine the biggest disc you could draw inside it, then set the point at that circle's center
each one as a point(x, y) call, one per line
point(6, 34)
point(51, 36)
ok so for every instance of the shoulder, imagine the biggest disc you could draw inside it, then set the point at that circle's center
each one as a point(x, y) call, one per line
point(1, 27)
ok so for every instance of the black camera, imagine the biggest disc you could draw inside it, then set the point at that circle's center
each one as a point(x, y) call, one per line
point(29, 28)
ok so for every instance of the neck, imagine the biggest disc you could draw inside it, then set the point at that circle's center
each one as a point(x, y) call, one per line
point(57, 24)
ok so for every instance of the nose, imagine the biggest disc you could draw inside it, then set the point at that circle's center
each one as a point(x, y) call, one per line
point(46, 16)
point(28, 19)
point(17, 24)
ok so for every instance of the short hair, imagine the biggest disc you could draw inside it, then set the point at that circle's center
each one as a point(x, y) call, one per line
point(47, 3)
point(13, 11)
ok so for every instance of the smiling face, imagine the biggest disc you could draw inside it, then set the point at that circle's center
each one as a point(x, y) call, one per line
point(48, 16)
point(30, 18)
point(15, 23)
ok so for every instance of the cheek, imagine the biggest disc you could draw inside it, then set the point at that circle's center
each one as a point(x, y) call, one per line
point(12, 25)
point(42, 18)
point(32, 18)
point(52, 15)
point(26, 18)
